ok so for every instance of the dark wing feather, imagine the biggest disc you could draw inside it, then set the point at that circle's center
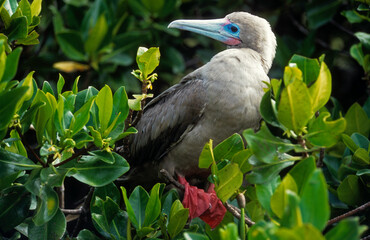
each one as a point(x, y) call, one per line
point(166, 119)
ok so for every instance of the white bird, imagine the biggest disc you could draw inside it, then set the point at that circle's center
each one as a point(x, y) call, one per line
point(213, 102)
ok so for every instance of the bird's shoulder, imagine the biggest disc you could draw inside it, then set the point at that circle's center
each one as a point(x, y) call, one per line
point(166, 118)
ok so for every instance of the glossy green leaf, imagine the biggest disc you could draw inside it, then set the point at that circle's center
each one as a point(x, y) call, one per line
point(105, 212)
point(321, 89)
point(87, 235)
point(11, 65)
point(52, 230)
point(47, 206)
point(361, 156)
point(120, 105)
point(94, 172)
point(302, 171)
point(348, 228)
point(291, 74)
point(255, 210)
point(310, 67)
point(178, 218)
point(153, 208)
point(349, 190)
point(81, 117)
point(279, 200)
point(314, 202)
point(14, 207)
point(230, 231)
point(36, 7)
point(60, 84)
point(8, 104)
point(265, 191)
point(364, 38)
point(104, 101)
point(230, 179)
point(195, 236)
point(206, 157)
point(129, 208)
point(139, 200)
point(266, 172)
point(96, 35)
point(303, 232)
point(148, 60)
point(325, 133)
point(43, 114)
point(358, 54)
point(268, 110)
point(18, 29)
point(241, 158)
point(357, 120)
point(265, 145)
point(352, 16)
point(25, 8)
point(292, 216)
point(227, 148)
point(104, 156)
point(295, 109)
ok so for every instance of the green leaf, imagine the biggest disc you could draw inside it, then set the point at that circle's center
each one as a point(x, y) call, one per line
point(230, 231)
point(87, 235)
point(96, 35)
point(52, 230)
point(104, 101)
point(302, 171)
point(178, 218)
point(139, 200)
point(268, 110)
point(18, 29)
point(94, 172)
point(291, 74)
point(265, 145)
point(295, 110)
point(357, 120)
point(292, 216)
point(11, 65)
point(348, 229)
point(153, 208)
point(129, 208)
point(206, 157)
point(361, 156)
point(60, 84)
point(71, 44)
point(310, 67)
point(148, 60)
point(81, 117)
point(349, 191)
point(279, 200)
point(47, 206)
point(25, 8)
point(8, 104)
point(241, 158)
point(321, 12)
point(36, 7)
point(103, 156)
point(325, 133)
point(364, 38)
point(195, 236)
point(314, 203)
point(120, 105)
point(265, 191)
point(321, 89)
point(230, 179)
point(352, 16)
point(14, 207)
point(227, 148)
point(357, 53)
point(266, 172)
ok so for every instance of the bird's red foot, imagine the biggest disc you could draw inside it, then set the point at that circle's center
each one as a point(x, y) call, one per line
point(204, 205)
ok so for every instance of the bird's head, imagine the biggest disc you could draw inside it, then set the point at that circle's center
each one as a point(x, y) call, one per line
point(236, 30)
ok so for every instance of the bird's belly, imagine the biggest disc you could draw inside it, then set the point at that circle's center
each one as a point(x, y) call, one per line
point(221, 119)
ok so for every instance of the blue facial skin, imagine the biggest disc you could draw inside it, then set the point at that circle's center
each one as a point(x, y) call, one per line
point(232, 29)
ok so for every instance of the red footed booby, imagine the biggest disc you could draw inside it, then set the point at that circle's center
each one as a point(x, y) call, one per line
point(213, 102)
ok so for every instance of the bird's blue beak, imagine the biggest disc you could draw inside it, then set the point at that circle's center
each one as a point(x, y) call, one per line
point(219, 29)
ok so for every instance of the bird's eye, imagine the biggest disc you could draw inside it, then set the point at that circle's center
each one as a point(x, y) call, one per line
point(234, 29)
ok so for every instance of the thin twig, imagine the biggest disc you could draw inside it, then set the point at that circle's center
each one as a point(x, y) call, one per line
point(61, 196)
point(80, 153)
point(342, 28)
point(302, 142)
point(19, 131)
point(236, 213)
point(347, 214)
point(72, 211)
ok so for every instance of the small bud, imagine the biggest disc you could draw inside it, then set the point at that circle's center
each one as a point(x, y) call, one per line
point(241, 200)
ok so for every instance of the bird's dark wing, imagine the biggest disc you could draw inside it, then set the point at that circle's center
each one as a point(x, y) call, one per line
point(166, 119)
